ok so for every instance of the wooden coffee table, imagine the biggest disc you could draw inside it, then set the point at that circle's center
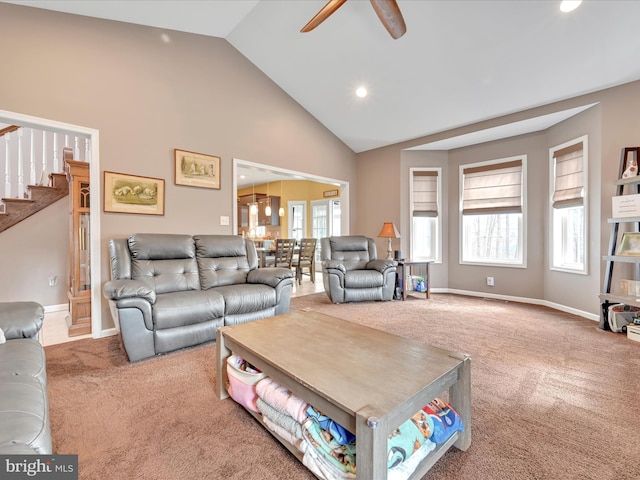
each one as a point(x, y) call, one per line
point(367, 380)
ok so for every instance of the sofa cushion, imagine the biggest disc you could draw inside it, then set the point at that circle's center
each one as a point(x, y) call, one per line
point(223, 259)
point(164, 276)
point(164, 262)
point(23, 356)
point(363, 279)
point(178, 309)
point(353, 251)
point(247, 298)
point(24, 413)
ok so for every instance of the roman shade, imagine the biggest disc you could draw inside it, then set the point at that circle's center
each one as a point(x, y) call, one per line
point(568, 188)
point(424, 200)
point(492, 189)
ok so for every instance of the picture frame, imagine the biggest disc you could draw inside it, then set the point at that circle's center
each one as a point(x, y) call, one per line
point(124, 193)
point(194, 169)
point(629, 245)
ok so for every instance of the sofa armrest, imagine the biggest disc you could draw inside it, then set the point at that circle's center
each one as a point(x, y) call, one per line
point(381, 265)
point(271, 276)
point(119, 289)
point(21, 319)
point(335, 265)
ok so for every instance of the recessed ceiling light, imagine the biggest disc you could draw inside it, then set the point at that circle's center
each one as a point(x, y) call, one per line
point(361, 92)
point(569, 5)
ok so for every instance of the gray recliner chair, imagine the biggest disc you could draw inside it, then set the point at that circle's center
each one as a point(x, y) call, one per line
point(352, 273)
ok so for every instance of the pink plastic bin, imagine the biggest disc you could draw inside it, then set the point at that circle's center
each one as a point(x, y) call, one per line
point(242, 383)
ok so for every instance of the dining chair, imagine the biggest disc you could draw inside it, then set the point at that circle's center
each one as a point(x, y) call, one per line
point(283, 255)
point(306, 259)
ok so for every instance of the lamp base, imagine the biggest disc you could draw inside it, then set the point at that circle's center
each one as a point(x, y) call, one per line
point(389, 251)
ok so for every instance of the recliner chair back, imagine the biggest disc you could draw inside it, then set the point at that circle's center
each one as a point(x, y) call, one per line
point(354, 251)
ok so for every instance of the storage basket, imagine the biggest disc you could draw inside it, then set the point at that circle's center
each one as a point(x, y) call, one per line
point(621, 315)
point(242, 382)
point(633, 332)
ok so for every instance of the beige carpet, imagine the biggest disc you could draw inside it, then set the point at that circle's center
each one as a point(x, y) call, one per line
point(554, 397)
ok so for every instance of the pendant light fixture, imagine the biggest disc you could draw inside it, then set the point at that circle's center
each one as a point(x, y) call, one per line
point(253, 208)
point(267, 209)
point(281, 210)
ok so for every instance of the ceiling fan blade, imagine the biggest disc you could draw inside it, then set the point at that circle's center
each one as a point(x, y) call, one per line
point(323, 14)
point(389, 14)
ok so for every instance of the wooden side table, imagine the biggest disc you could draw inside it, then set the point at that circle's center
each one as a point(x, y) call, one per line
point(405, 268)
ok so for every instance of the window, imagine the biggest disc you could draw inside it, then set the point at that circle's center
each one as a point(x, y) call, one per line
point(568, 218)
point(425, 191)
point(492, 203)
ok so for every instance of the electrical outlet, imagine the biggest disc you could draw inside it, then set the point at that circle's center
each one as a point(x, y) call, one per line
point(490, 281)
point(224, 220)
point(53, 280)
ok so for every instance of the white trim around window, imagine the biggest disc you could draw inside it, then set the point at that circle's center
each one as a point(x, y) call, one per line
point(568, 222)
point(494, 226)
point(425, 214)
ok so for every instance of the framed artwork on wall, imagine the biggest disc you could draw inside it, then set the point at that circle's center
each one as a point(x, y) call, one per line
point(125, 193)
point(196, 169)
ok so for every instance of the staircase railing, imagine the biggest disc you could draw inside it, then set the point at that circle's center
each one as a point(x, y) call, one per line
point(35, 154)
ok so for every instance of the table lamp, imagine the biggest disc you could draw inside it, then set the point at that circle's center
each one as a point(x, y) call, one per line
point(389, 231)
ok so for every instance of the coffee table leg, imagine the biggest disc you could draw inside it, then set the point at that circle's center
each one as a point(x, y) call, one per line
point(222, 353)
point(460, 398)
point(371, 447)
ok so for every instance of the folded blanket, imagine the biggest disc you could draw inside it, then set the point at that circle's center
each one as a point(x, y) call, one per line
point(321, 466)
point(405, 440)
point(287, 436)
point(340, 434)
point(282, 399)
point(284, 421)
point(339, 459)
point(406, 468)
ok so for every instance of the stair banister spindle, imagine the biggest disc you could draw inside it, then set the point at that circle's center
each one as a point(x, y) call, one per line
point(43, 172)
point(21, 191)
point(76, 148)
point(86, 150)
point(32, 159)
point(56, 162)
point(7, 169)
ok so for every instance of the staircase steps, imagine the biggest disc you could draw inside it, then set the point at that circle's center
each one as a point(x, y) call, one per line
point(38, 197)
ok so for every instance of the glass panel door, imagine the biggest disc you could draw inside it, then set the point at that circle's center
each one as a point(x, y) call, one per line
point(297, 220)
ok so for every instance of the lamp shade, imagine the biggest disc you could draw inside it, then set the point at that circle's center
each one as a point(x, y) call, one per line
point(389, 230)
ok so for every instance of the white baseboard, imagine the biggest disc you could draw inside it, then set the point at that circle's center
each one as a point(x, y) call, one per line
point(63, 307)
point(107, 333)
point(534, 301)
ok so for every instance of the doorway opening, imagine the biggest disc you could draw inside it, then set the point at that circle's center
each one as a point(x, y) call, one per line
point(28, 121)
point(296, 211)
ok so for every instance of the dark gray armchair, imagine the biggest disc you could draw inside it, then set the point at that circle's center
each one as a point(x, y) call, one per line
point(352, 273)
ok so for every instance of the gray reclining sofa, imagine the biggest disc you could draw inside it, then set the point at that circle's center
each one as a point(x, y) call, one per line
point(24, 404)
point(171, 291)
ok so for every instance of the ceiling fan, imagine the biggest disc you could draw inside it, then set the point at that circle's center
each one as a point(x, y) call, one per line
point(387, 10)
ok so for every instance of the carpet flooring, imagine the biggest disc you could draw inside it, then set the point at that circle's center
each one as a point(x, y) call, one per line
point(553, 397)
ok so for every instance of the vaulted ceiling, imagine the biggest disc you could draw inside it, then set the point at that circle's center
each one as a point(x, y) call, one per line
point(460, 61)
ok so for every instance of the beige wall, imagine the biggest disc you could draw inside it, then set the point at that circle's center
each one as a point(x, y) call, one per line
point(518, 282)
point(147, 97)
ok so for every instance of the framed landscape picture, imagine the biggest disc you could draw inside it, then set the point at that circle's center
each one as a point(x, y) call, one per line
point(133, 194)
point(197, 169)
point(629, 245)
